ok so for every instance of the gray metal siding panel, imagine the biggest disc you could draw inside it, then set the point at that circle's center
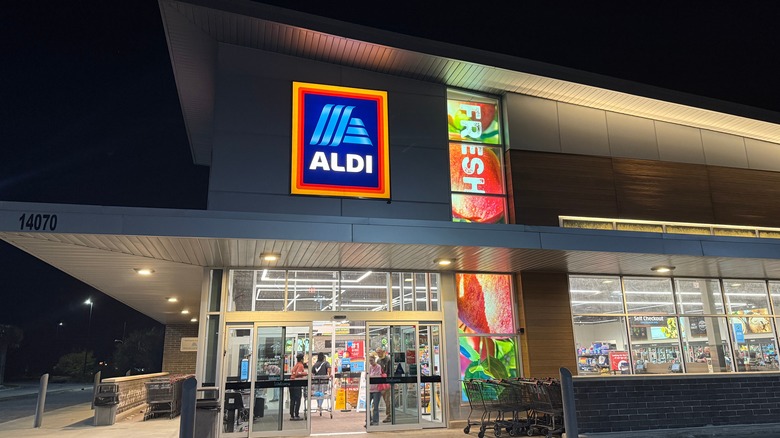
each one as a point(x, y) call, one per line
point(724, 149)
point(583, 130)
point(763, 155)
point(532, 123)
point(631, 137)
point(252, 141)
point(679, 143)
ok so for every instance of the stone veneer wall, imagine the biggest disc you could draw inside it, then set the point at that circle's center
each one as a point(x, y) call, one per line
point(620, 404)
point(176, 361)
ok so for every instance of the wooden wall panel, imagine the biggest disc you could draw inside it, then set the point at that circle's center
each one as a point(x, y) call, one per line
point(548, 341)
point(745, 197)
point(649, 189)
point(547, 185)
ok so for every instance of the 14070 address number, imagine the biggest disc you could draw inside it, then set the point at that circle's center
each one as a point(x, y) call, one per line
point(38, 222)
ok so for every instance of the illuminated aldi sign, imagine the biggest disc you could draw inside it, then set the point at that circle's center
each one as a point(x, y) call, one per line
point(340, 145)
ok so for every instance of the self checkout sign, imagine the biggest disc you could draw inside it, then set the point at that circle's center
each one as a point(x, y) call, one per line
point(340, 142)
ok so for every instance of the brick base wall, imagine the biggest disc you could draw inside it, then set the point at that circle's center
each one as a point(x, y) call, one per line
point(650, 403)
point(176, 361)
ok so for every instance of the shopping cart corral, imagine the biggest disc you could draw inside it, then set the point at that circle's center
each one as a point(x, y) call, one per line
point(515, 407)
point(163, 396)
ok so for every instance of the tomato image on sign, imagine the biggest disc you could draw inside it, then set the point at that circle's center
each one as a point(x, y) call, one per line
point(476, 169)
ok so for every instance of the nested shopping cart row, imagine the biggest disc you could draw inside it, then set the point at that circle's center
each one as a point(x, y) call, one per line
point(517, 406)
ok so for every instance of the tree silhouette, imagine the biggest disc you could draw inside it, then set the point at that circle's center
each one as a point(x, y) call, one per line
point(140, 353)
point(72, 365)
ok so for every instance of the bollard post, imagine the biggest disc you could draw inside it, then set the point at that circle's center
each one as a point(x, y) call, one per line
point(41, 401)
point(94, 389)
point(569, 409)
point(187, 419)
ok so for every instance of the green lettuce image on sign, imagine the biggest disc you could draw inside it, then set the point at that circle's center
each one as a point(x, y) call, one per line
point(483, 357)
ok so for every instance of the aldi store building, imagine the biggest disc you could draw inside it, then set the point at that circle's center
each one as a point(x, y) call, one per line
point(473, 214)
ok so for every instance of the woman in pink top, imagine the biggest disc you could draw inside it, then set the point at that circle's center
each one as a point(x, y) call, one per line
point(374, 370)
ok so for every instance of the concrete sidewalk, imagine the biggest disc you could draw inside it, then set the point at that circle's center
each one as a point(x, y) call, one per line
point(76, 421)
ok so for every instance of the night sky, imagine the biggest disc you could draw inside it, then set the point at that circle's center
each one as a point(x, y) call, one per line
point(90, 113)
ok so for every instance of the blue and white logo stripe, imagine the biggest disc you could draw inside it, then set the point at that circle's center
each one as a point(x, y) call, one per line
point(336, 125)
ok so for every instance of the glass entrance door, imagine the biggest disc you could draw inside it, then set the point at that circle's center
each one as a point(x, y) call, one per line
point(407, 395)
point(429, 348)
point(262, 396)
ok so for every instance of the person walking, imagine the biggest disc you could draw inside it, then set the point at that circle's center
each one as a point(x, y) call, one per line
point(274, 373)
point(384, 362)
point(374, 370)
point(321, 368)
point(298, 372)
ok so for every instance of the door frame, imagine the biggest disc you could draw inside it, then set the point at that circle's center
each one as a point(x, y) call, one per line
point(420, 425)
point(253, 327)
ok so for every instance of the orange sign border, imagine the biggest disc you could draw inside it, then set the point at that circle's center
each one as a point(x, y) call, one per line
point(297, 186)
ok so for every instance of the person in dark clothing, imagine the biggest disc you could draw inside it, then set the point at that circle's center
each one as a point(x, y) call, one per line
point(321, 368)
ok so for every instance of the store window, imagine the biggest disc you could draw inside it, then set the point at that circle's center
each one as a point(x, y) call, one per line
point(478, 189)
point(683, 325)
point(601, 344)
point(593, 295)
point(363, 291)
point(706, 344)
point(754, 337)
point(697, 296)
point(774, 293)
point(649, 295)
point(486, 326)
point(308, 290)
point(655, 343)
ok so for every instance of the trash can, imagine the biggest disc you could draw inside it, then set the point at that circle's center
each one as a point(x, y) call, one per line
point(206, 417)
point(106, 402)
point(259, 411)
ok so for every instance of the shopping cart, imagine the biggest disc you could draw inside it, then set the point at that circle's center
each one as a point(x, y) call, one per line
point(503, 400)
point(322, 391)
point(475, 397)
point(504, 405)
point(546, 408)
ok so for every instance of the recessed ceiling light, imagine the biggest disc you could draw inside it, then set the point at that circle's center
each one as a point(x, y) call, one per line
point(270, 256)
point(194, 320)
point(185, 312)
point(443, 261)
point(144, 271)
point(662, 269)
point(606, 282)
point(408, 279)
point(736, 284)
point(172, 299)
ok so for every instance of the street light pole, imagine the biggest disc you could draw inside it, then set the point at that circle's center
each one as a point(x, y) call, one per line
point(89, 327)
